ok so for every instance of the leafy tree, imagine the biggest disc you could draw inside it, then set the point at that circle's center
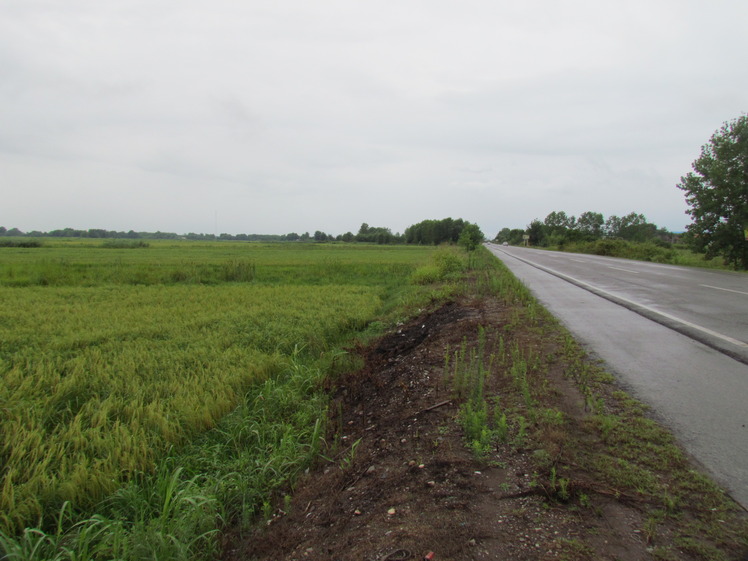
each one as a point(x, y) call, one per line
point(503, 235)
point(434, 232)
point(372, 234)
point(590, 224)
point(471, 237)
point(717, 195)
point(632, 227)
point(612, 226)
point(516, 236)
point(559, 228)
point(558, 221)
point(537, 232)
point(635, 228)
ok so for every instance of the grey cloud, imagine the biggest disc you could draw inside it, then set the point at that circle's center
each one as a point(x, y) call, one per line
point(304, 116)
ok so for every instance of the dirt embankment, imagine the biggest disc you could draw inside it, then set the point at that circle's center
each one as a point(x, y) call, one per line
point(405, 484)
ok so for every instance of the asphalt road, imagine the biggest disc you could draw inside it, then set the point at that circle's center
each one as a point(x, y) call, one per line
point(675, 337)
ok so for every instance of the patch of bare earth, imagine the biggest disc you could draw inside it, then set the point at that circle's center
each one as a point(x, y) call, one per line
point(404, 485)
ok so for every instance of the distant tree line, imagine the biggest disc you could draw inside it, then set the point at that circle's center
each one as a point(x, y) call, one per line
point(435, 232)
point(366, 234)
point(428, 232)
point(559, 229)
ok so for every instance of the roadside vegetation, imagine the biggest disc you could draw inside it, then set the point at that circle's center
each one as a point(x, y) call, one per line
point(516, 387)
point(715, 192)
point(628, 237)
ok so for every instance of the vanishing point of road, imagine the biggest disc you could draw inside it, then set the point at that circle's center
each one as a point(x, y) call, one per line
point(675, 337)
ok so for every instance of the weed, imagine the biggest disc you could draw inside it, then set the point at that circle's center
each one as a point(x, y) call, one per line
point(521, 436)
point(574, 549)
point(584, 500)
point(348, 458)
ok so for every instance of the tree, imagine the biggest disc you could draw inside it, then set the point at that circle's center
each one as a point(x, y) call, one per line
point(516, 236)
point(471, 237)
point(591, 224)
point(537, 232)
point(717, 195)
point(434, 232)
point(558, 222)
point(503, 235)
point(633, 227)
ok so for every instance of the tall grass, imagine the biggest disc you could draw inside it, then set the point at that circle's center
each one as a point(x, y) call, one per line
point(102, 379)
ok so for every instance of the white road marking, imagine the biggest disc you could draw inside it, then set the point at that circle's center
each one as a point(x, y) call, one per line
point(626, 270)
point(706, 330)
point(725, 289)
point(596, 290)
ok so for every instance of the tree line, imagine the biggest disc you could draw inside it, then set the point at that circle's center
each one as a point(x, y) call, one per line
point(716, 193)
point(427, 232)
point(559, 229)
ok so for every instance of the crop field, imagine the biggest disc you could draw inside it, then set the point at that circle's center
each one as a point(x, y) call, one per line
point(113, 356)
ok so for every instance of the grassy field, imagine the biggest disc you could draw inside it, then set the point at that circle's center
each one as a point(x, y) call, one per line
point(116, 360)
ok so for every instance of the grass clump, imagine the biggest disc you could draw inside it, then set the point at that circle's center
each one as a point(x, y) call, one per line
point(448, 264)
point(125, 244)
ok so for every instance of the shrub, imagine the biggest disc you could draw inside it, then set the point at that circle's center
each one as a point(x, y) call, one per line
point(448, 261)
point(427, 274)
point(20, 243)
point(125, 244)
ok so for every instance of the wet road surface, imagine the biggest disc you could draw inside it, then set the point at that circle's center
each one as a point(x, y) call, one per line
point(675, 337)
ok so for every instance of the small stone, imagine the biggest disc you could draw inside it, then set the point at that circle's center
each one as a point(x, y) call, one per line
point(421, 466)
point(431, 483)
point(357, 512)
point(472, 543)
point(391, 512)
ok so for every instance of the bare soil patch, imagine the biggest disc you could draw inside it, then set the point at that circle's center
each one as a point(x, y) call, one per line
point(403, 484)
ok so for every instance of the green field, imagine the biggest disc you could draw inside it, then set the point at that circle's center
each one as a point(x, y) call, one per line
point(113, 360)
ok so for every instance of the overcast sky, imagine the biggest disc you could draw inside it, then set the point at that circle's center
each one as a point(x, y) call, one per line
point(265, 116)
